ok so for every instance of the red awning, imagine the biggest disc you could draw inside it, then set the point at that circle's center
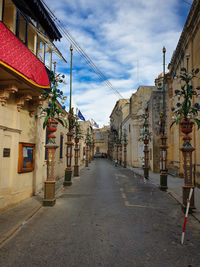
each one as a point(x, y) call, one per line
point(17, 57)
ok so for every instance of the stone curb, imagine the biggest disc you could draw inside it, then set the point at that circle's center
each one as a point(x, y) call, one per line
point(19, 224)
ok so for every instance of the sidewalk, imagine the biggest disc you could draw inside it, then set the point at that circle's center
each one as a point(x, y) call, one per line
point(14, 218)
point(174, 188)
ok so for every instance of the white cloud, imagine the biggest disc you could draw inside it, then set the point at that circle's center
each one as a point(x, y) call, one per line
point(124, 39)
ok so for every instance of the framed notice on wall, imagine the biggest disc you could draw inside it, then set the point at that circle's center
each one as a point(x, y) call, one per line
point(26, 159)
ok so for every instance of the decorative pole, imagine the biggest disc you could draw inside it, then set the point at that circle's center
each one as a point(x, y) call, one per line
point(89, 152)
point(163, 138)
point(87, 149)
point(92, 145)
point(120, 151)
point(117, 146)
point(187, 149)
point(49, 184)
point(186, 114)
point(68, 170)
point(76, 148)
point(145, 137)
point(125, 144)
point(52, 117)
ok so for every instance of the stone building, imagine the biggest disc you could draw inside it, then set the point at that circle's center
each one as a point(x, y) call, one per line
point(85, 127)
point(155, 106)
point(101, 140)
point(26, 38)
point(119, 113)
point(185, 55)
point(132, 125)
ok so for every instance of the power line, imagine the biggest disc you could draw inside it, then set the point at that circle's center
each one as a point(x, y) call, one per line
point(187, 2)
point(81, 52)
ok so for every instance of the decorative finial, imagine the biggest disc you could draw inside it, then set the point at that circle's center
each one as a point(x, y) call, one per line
point(164, 49)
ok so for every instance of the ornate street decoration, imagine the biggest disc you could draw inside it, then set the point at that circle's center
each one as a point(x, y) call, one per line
point(77, 136)
point(53, 112)
point(125, 142)
point(163, 138)
point(88, 143)
point(146, 137)
point(53, 115)
point(186, 114)
point(185, 111)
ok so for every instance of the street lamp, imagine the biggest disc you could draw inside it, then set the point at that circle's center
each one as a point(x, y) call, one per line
point(186, 114)
point(163, 137)
point(68, 170)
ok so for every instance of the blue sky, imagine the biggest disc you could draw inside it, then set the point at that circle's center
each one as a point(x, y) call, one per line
point(124, 38)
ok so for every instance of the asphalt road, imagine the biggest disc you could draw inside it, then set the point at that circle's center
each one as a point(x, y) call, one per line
point(108, 217)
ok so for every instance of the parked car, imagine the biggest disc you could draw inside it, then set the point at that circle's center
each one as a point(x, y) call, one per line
point(98, 155)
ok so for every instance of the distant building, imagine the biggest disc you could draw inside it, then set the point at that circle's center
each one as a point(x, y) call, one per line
point(101, 140)
point(132, 124)
point(118, 114)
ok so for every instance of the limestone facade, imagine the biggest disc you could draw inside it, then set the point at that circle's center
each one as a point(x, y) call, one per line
point(188, 45)
point(133, 125)
point(101, 140)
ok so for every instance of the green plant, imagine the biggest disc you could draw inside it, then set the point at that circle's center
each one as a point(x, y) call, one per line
point(185, 110)
point(54, 111)
point(76, 127)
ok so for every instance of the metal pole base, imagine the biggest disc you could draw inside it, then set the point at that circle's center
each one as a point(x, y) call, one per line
point(76, 170)
point(49, 193)
point(186, 191)
point(163, 182)
point(146, 172)
point(68, 178)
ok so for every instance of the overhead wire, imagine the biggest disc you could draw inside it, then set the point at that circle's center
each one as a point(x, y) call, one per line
point(81, 52)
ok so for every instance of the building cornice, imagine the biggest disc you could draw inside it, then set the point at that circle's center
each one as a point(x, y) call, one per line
point(189, 29)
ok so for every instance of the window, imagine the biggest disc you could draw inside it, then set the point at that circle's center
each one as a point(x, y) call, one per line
point(8, 13)
point(22, 29)
point(61, 146)
point(26, 158)
point(98, 136)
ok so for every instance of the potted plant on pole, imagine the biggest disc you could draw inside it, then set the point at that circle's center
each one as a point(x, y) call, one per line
point(186, 114)
point(53, 115)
